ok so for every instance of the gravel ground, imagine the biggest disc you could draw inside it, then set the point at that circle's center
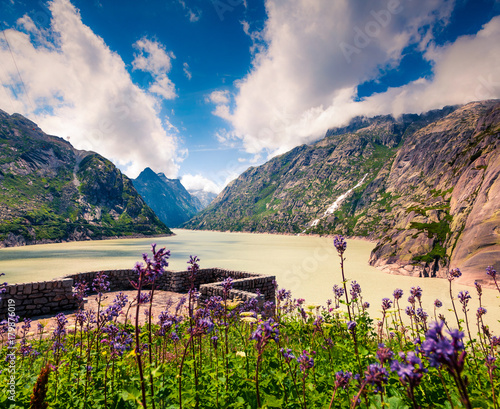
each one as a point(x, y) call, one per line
point(160, 300)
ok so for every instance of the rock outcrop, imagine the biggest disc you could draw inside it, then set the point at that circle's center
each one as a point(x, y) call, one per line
point(426, 187)
point(167, 197)
point(52, 192)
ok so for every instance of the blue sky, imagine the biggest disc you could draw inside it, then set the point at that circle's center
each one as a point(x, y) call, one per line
point(203, 89)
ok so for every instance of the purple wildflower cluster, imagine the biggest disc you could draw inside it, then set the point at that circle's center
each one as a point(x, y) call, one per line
point(117, 340)
point(342, 379)
point(305, 361)
point(376, 375)
point(355, 290)
point(154, 267)
point(340, 244)
point(464, 297)
point(100, 284)
point(397, 294)
point(386, 304)
point(440, 350)
point(491, 271)
point(80, 292)
point(265, 332)
point(409, 369)
point(454, 273)
point(338, 292)
point(113, 311)
point(287, 354)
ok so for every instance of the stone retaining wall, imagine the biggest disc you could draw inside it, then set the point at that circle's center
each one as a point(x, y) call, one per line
point(39, 298)
point(48, 297)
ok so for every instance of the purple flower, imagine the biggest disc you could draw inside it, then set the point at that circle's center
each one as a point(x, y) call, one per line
point(61, 322)
point(203, 326)
point(366, 305)
point(455, 273)
point(479, 289)
point(215, 341)
point(384, 354)
point(416, 292)
point(398, 293)
point(305, 362)
point(152, 267)
point(283, 295)
point(116, 308)
point(421, 314)
point(144, 298)
point(351, 325)
point(118, 341)
point(410, 311)
point(265, 332)
point(340, 244)
point(338, 291)
point(100, 284)
point(480, 312)
point(386, 304)
point(376, 375)
point(80, 291)
point(464, 297)
point(437, 303)
point(287, 354)
point(227, 285)
point(440, 350)
point(355, 290)
point(342, 379)
point(409, 369)
point(491, 271)
point(490, 362)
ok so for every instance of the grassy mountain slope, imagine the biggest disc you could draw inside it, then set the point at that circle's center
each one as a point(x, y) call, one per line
point(425, 186)
point(50, 191)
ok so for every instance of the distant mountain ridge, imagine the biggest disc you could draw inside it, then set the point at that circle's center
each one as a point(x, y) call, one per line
point(168, 198)
point(426, 187)
point(204, 198)
point(52, 192)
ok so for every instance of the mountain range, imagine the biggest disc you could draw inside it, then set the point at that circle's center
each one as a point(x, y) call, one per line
point(169, 199)
point(52, 192)
point(424, 187)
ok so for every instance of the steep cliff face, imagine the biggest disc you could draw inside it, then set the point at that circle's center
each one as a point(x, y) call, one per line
point(425, 186)
point(303, 190)
point(167, 197)
point(447, 212)
point(52, 192)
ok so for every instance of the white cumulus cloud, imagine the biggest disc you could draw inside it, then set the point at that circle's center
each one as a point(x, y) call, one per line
point(315, 54)
point(200, 182)
point(153, 58)
point(77, 87)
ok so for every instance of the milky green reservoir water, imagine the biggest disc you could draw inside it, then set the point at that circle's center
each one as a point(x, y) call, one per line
point(309, 266)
